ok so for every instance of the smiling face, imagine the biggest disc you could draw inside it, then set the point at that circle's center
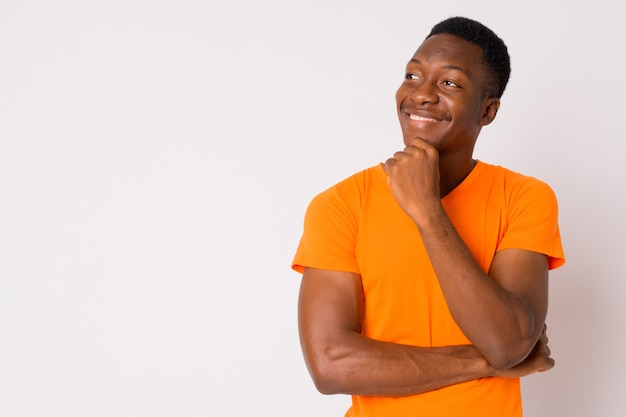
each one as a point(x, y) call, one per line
point(441, 99)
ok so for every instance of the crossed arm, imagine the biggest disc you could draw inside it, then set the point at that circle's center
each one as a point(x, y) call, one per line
point(341, 360)
point(502, 313)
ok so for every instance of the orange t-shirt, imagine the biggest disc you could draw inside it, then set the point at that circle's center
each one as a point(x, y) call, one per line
point(356, 226)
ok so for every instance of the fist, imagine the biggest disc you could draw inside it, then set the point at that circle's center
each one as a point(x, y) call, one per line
point(413, 176)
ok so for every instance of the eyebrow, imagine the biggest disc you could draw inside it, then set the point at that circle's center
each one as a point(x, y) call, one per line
point(450, 67)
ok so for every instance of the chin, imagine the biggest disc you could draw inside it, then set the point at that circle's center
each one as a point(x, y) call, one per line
point(426, 138)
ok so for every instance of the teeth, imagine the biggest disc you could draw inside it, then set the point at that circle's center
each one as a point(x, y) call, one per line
point(414, 117)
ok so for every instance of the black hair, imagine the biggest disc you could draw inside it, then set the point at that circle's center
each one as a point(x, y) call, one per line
point(496, 58)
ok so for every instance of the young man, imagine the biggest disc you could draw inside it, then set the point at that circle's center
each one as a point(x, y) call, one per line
point(425, 278)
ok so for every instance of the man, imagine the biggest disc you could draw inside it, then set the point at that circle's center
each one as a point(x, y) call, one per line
point(425, 278)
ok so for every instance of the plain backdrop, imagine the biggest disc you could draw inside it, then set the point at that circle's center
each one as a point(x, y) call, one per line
point(157, 157)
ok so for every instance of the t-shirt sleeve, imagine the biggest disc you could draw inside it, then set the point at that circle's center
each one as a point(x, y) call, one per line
point(329, 237)
point(533, 222)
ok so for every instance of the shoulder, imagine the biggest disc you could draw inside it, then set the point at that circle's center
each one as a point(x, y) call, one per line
point(516, 184)
point(331, 224)
point(530, 211)
point(351, 190)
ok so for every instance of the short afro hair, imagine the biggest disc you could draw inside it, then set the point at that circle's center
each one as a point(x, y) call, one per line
point(496, 58)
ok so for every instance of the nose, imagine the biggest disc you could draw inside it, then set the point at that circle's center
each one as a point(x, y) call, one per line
point(423, 92)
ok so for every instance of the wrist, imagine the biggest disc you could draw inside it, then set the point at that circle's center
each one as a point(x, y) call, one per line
point(429, 217)
point(477, 365)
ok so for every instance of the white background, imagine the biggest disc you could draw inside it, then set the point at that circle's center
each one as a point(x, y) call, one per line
point(156, 159)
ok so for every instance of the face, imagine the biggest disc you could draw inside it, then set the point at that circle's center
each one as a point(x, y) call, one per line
point(441, 98)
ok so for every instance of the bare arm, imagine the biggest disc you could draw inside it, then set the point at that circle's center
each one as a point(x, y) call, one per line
point(502, 312)
point(341, 360)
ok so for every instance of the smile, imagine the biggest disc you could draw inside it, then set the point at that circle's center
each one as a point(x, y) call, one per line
point(421, 119)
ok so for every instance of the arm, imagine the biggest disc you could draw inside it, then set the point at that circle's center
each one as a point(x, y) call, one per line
point(341, 360)
point(502, 312)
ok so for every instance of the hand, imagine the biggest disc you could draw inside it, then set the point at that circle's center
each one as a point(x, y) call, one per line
point(413, 176)
point(538, 360)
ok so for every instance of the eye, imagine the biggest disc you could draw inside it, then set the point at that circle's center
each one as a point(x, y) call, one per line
point(450, 83)
point(410, 76)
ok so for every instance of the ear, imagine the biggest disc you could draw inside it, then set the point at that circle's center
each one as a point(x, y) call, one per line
point(491, 106)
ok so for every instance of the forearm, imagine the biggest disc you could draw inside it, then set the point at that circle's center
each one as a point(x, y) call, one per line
point(362, 366)
point(502, 326)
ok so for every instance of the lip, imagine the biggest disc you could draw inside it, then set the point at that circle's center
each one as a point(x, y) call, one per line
point(421, 115)
point(421, 119)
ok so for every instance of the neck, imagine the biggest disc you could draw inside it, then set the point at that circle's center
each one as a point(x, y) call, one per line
point(452, 171)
